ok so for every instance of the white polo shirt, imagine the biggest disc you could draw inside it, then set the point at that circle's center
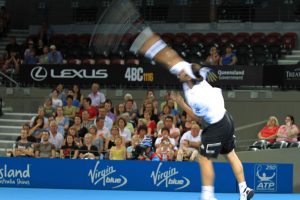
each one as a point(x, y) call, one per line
point(97, 98)
point(189, 137)
point(206, 101)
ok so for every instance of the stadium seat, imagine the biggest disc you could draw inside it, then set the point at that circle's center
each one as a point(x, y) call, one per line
point(88, 62)
point(259, 145)
point(181, 39)
point(210, 39)
point(259, 59)
point(241, 38)
point(168, 38)
point(274, 50)
point(294, 144)
point(117, 61)
point(257, 38)
point(196, 38)
point(289, 41)
point(84, 39)
point(279, 145)
point(74, 61)
point(274, 38)
point(225, 38)
point(71, 39)
point(103, 61)
point(132, 61)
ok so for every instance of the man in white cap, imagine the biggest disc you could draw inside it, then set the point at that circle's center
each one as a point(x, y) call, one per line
point(54, 56)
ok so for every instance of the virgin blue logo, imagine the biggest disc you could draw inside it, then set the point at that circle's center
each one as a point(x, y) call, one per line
point(107, 176)
point(169, 177)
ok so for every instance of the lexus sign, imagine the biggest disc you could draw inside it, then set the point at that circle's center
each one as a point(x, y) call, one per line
point(39, 73)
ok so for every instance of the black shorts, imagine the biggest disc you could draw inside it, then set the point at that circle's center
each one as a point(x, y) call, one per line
point(218, 138)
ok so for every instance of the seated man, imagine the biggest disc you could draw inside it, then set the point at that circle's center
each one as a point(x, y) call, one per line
point(45, 149)
point(189, 144)
point(23, 147)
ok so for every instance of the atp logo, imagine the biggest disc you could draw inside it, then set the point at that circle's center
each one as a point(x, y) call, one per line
point(265, 179)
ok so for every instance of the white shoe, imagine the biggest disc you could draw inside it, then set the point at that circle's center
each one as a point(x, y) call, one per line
point(247, 194)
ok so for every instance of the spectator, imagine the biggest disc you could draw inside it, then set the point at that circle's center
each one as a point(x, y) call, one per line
point(88, 150)
point(229, 58)
point(120, 109)
point(86, 106)
point(110, 142)
point(45, 149)
point(61, 92)
point(192, 140)
point(30, 47)
point(165, 150)
point(269, 131)
point(70, 110)
point(12, 63)
point(31, 58)
point(130, 151)
point(151, 124)
point(86, 122)
point(102, 131)
point(56, 102)
point(186, 122)
point(54, 56)
point(62, 121)
point(108, 107)
point(108, 123)
point(30, 138)
point(118, 152)
point(145, 151)
point(40, 112)
point(165, 133)
point(167, 97)
point(174, 132)
point(130, 124)
point(44, 57)
point(289, 131)
point(148, 106)
point(80, 126)
point(37, 127)
point(56, 138)
point(23, 147)
point(70, 149)
point(96, 96)
point(48, 108)
point(77, 93)
point(75, 102)
point(213, 58)
point(124, 132)
point(127, 97)
point(96, 140)
point(133, 114)
point(12, 46)
point(74, 133)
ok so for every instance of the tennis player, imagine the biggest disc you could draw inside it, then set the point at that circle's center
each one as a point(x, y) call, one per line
point(206, 104)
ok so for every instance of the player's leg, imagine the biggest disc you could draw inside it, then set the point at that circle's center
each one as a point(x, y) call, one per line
point(207, 178)
point(245, 192)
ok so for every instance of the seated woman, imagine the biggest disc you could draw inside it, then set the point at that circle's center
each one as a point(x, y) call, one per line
point(165, 150)
point(70, 149)
point(269, 131)
point(229, 58)
point(118, 152)
point(88, 151)
point(289, 131)
point(213, 58)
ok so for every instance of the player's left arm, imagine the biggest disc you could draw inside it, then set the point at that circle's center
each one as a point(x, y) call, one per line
point(180, 101)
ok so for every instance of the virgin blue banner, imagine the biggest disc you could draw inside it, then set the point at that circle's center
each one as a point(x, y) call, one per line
point(136, 175)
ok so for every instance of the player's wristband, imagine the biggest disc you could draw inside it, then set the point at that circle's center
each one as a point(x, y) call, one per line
point(155, 48)
point(179, 67)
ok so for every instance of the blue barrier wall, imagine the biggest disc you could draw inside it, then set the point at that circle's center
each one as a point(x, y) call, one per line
point(137, 175)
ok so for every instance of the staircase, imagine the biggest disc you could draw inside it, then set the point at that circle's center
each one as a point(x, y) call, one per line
point(292, 59)
point(19, 34)
point(10, 126)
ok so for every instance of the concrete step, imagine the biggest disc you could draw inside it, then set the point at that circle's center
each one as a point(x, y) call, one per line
point(13, 122)
point(287, 62)
point(3, 152)
point(295, 52)
point(18, 116)
point(7, 144)
point(9, 136)
point(9, 129)
point(292, 57)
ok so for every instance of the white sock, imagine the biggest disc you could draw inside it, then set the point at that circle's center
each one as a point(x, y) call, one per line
point(242, 187)
point(207, 192)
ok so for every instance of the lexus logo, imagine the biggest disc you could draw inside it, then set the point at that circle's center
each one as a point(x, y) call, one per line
point(39, 73)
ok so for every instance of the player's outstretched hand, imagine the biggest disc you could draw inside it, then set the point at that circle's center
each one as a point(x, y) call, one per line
point(208, 74)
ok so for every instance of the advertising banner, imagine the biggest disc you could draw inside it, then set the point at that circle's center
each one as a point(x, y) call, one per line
point(131, 76)
point(136, 175)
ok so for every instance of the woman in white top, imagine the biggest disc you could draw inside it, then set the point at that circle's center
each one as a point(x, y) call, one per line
point(56, 102)
point(204, 102)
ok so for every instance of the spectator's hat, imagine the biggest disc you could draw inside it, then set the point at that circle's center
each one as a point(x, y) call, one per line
point(146, 144)
point(52, 46)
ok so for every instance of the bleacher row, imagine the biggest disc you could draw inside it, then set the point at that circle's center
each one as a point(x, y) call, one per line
point(263, 144)
point(251, 48)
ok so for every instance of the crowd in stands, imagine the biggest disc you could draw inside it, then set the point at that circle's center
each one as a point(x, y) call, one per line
point(70, 125)
point(210, 48)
